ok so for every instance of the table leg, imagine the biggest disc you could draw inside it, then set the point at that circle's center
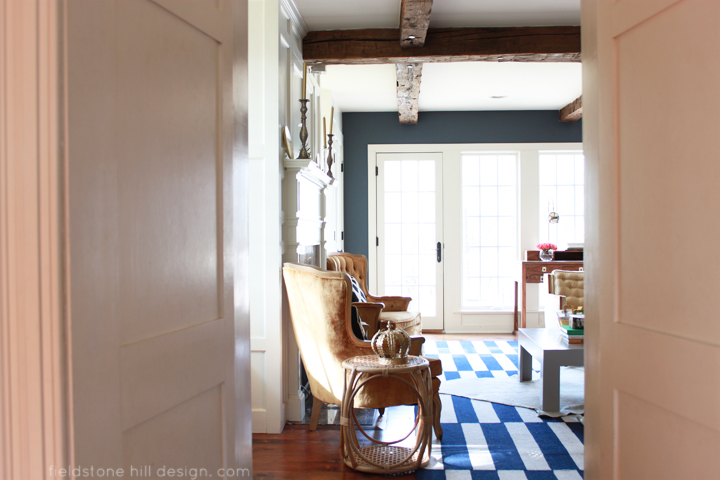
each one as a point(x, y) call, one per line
point(525, 365)
point(550, 385)
point(515, 312)
point(523, 313)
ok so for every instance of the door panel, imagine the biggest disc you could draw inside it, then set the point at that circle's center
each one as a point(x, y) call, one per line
point(409, 226)
point(148, 443)
point(653, 340)
point(149, 208)
point(188, 288)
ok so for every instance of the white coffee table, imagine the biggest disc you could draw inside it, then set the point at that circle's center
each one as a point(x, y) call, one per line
point(548, 348)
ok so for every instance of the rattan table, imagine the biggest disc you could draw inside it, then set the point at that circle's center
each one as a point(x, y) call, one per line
point(386, 457)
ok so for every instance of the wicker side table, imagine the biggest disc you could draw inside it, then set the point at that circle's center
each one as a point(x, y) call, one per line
point(386, 457)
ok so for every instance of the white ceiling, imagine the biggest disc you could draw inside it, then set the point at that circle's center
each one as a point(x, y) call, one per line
point(345, 14)
point(451, 86)
point(458, 86)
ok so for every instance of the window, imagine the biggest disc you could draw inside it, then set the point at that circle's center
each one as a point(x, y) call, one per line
point(489, 230)
point(562, 190)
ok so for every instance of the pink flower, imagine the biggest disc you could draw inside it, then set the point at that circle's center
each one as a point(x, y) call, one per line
point(547, 246)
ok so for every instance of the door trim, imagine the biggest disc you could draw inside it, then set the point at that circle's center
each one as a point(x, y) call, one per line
point(33, 364)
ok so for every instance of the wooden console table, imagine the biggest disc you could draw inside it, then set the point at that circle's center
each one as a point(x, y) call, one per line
point(533, 270)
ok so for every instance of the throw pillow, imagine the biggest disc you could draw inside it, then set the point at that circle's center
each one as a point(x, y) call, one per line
point(358, 326)
point(357, 293)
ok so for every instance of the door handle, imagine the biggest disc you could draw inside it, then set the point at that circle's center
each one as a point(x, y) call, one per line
point(439, 252)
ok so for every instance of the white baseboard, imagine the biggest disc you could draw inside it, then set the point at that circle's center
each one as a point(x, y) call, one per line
point(295, 407)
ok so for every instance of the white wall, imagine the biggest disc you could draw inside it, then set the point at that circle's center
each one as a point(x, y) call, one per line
point(276, 70)
point(334, 215)
point(268, 414)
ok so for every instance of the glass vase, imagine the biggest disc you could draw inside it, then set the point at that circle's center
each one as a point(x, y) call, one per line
point(546, 255)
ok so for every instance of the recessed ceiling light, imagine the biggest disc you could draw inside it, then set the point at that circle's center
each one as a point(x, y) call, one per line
point(498, 96)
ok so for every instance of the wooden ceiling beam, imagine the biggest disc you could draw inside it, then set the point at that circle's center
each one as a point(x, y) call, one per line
point(414, 22)
point(572, 112)
point(377, 46)
point(408, 90)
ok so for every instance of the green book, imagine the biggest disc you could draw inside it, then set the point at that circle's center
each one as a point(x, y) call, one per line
point(572, 331)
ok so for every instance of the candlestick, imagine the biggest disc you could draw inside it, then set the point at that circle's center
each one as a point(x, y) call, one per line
point(332, 117)
point(324, 134)
point(304, 88)
point(304, 153)
point(330, 157)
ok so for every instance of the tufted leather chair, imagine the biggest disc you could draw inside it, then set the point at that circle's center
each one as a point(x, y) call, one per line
point(378, 310)
point(566, 291)
point(319, 303)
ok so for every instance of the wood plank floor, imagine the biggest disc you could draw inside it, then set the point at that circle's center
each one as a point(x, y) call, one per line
point(299, 453)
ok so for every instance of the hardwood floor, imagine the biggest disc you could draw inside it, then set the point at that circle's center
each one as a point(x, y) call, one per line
point(299, 453)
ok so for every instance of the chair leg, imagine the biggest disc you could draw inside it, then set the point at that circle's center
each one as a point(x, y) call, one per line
point(437, 407)
point(381, 411)
point(315, 416)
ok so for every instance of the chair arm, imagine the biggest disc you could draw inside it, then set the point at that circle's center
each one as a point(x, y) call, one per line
point(370, 314)
point(392, 304)
point(416, 343)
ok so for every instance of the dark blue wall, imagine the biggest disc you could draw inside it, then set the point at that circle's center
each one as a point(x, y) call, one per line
point(363, 129)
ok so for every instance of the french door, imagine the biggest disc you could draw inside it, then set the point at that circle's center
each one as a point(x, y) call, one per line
point(480, 203)
point(409, 239)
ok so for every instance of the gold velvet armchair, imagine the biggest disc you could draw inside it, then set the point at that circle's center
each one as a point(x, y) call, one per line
point(378, 310)
point(565, 290)
point(319, 302)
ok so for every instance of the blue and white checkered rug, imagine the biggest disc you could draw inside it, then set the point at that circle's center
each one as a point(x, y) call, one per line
point(485, 440)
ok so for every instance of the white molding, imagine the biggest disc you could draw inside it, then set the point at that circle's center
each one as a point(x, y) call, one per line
point(259, 420)
point(312, 173)
point(314, 223)
point(373, 150)
point(33, 370)
point(266, 216)
point(298, 22)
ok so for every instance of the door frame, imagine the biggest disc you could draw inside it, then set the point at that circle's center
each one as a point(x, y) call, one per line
point(528, 181)
point(34, 423)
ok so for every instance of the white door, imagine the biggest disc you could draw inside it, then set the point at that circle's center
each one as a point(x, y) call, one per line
point(149, 210)
point(653, 342)
point(409, 232)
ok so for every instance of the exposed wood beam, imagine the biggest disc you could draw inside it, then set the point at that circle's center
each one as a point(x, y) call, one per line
point(408, 90)
point(572, 112)
point(414, 22)
point(375, 46)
